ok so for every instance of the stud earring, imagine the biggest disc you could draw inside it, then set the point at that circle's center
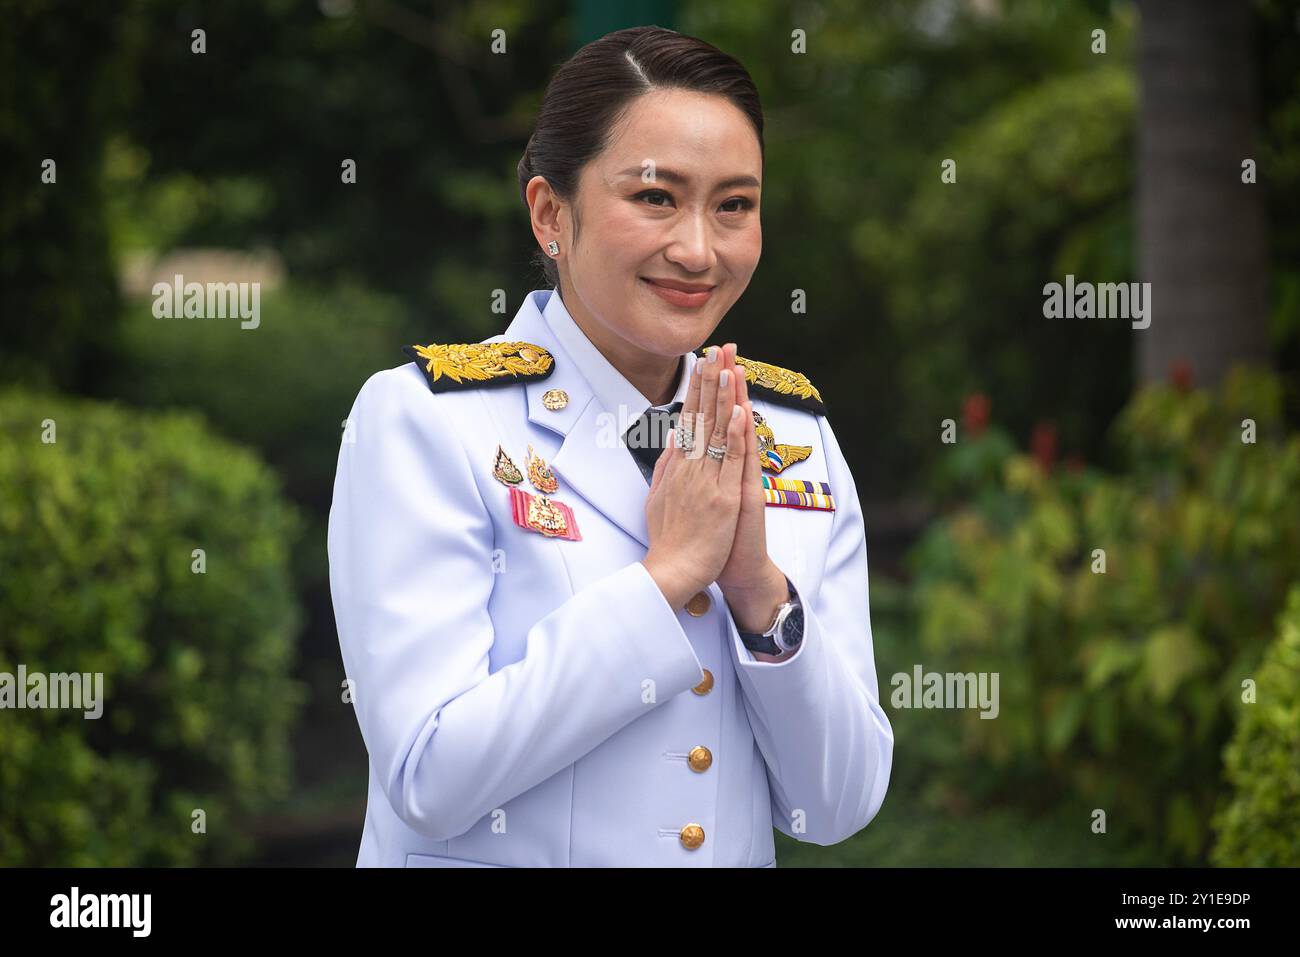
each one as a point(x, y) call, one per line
point(553, 247)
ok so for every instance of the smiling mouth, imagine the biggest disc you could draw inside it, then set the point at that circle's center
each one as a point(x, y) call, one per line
point(691, 297)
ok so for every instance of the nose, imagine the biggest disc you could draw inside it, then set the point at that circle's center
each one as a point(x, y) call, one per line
point(692, 243)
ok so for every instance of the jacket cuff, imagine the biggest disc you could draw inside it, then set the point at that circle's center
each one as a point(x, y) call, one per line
point(652, 633)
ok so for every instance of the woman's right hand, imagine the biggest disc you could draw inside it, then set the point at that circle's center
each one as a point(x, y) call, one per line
point(694, 500)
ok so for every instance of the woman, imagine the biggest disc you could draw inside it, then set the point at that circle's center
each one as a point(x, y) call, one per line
point(551, 663)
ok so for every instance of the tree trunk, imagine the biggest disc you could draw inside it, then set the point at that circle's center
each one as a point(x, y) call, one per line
point(1201, 230)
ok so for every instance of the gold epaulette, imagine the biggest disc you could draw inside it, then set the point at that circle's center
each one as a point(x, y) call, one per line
point(473, 365)
point(780, 386)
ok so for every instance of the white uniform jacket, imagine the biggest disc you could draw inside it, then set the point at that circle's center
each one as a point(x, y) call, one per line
point(533, 701)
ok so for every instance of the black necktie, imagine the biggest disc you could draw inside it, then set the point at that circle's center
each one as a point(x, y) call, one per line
point(648, 435)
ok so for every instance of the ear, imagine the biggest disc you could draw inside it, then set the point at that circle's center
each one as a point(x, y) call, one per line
point(544, 209)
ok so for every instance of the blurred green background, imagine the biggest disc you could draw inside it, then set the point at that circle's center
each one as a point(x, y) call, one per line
point(1112, 157)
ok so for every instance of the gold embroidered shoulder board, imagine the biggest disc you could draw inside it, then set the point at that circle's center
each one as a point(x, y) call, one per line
point(780, 386)
point(474, 365)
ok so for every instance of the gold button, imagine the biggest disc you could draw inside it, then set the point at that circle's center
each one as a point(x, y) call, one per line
point(555, 399)
point(692, 836)
point(700, 758)
point(699, 604)
point(705, 686)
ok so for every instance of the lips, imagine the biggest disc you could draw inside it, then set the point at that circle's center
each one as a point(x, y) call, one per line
point(688, 295)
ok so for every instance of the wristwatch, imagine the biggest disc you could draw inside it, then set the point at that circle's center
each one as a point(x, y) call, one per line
point(786, 630)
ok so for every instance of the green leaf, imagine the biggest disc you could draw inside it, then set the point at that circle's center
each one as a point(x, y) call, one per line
point(1064, 721)
point(1173, 654)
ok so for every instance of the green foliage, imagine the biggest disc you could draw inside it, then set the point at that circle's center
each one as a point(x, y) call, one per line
point(283, 388)
point(97, 532)
point(433, 119)
point(1118, 688)
point(1260, 825)
point(1067, 143)
point(64, 72)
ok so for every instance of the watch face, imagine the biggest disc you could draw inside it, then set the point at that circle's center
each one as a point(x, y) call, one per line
point(792, 627)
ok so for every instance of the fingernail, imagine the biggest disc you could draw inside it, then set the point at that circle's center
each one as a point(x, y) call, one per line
point(695, 369)
point(713, 353)
point(735, 411)
point(722, 377)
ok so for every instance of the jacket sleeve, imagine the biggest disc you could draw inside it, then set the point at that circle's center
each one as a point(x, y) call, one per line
point(411, 570)
point(816, 715)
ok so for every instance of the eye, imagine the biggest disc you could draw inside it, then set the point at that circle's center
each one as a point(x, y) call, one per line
point(653, 192)
point(744, 201)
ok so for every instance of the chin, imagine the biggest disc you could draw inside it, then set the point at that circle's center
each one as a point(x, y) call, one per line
point(673, 333)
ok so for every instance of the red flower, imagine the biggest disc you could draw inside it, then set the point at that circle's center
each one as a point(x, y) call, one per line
point(1043, 445)
point(1180, 374)
point(975, 413)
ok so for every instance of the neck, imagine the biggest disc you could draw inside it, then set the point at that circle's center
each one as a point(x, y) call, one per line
point(654, 376)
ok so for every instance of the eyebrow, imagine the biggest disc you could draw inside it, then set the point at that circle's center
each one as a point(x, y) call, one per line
point(681, 179)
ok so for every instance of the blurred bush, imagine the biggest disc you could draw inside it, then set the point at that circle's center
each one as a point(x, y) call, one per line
point(283, 388)
point(1260, 825)
point(66, 72)
point(97, 532)
point(1121, 611)
point(1067, 142)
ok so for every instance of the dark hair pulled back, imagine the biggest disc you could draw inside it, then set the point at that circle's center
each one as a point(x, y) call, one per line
point(591, 90)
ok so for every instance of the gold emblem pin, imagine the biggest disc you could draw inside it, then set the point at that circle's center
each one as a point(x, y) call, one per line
point(555, 399)
point(505, 471)
point(541, 514)
point(540, 474)
point(545, 517)
point(772, 456)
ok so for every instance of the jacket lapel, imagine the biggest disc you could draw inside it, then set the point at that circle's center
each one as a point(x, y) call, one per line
point(591, 460)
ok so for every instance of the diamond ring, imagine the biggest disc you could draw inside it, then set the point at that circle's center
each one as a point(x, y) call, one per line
point(717, 452)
